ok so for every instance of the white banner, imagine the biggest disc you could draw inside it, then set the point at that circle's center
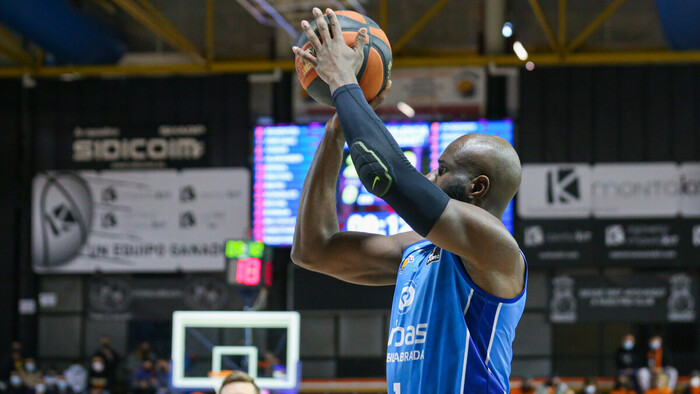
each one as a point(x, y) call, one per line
point(555, 191)
point(629, 190)
point(137, 221)
point(635, 190)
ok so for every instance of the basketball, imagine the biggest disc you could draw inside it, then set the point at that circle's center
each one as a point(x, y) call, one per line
point(376, 67)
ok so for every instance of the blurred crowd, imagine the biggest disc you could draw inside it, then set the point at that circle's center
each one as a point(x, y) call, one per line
point(105, 372)
point(641, 370)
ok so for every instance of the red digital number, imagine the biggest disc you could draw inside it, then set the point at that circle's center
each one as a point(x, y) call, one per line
point(248, 271)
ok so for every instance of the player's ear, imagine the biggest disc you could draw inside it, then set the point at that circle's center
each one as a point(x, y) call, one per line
point(479, 187)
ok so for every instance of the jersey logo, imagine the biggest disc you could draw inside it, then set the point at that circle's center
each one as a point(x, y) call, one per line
point(408, 259)
point(434, 256)
point(376, 178)
point(408, 293)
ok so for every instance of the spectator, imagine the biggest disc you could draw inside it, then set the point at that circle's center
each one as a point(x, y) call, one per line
point(61, 387)
point(590, 386)
point(51, 378)
point(111, 358)
point(694, 384)
point(141, 353)
point(658, 359)
point(659, 384)
point(97, 376)
point(76, 376)
point(15, 362)
point(30, 376)
point(17, 386)
point(623, 386)
point(40, 387)
point(239, 382)
point(162, 376)
point(628, 359)
point(553, 385)
point(144, 376)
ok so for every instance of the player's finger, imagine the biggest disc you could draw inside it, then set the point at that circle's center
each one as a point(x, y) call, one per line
point(334, 25)
point(360, 40)
point(305, 55)
point(321, 25)
point(311, 35)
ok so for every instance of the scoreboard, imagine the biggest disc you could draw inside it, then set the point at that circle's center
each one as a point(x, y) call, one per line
point(283, 155)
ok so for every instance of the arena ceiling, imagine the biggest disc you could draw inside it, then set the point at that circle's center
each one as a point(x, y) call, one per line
point(199, 36)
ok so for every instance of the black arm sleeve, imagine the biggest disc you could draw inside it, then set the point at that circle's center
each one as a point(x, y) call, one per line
point(382, 166)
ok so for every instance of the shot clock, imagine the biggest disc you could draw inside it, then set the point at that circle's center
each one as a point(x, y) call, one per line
point(248, 264)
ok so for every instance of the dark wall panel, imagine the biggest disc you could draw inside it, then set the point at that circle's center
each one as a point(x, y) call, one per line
point(10, 116)
point(219, 102)
point(610, 114)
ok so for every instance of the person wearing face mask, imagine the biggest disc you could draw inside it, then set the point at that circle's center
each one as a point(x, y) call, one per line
point(16, 386)
point(111, 358)
point(629, 359)
point(40, 387)
point(31, 375)
point(658, 360)
point(76, 376)
point(590, 386)
point(61, 386)
point(694, 384)
point(98, 378)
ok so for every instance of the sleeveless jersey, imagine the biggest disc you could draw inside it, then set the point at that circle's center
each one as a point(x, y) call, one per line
point(446, 334)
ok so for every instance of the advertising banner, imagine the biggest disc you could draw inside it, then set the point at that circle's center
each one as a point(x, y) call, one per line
point(156, 298)
point(556, 243)
point(137, 221)
point(138, 146)
point(690, 190)
point(555, 191)
point(636, 190)
point(636, 242)
point(629, 298)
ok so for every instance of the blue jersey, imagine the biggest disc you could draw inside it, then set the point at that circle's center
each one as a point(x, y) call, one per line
point(446, 334)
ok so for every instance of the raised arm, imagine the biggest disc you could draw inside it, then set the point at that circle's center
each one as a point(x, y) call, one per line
point(355, 257)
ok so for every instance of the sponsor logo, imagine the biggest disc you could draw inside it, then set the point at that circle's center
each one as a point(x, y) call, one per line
point(407, 260)
point(187, 220)
point(187, 194)
point(614, 235)
point(434, 256)
point(410, 335)
point(534, 236)
point(408, 293)
point(563, 186)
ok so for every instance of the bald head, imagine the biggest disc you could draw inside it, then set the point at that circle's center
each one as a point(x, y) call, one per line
point(487, 167)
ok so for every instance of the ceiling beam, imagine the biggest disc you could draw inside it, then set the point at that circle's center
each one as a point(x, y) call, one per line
point(419, 25)
point(11, 48)
point(247, 66)
point(542, 20)
point(158, 24)
point(595, 24)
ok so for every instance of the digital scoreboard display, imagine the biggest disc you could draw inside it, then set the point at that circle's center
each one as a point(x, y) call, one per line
point(248, 263)
point(283, 155)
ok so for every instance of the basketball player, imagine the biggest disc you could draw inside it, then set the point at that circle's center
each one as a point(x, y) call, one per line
point(460, 277)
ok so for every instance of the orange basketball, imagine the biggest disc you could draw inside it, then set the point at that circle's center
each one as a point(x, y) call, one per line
point(376, 67)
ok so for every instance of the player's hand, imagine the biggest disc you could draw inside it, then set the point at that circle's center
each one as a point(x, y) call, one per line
point(377, 101)
point(334, 61)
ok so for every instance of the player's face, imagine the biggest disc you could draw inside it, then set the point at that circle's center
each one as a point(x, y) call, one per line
point(238, 388)
point(450, 177)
